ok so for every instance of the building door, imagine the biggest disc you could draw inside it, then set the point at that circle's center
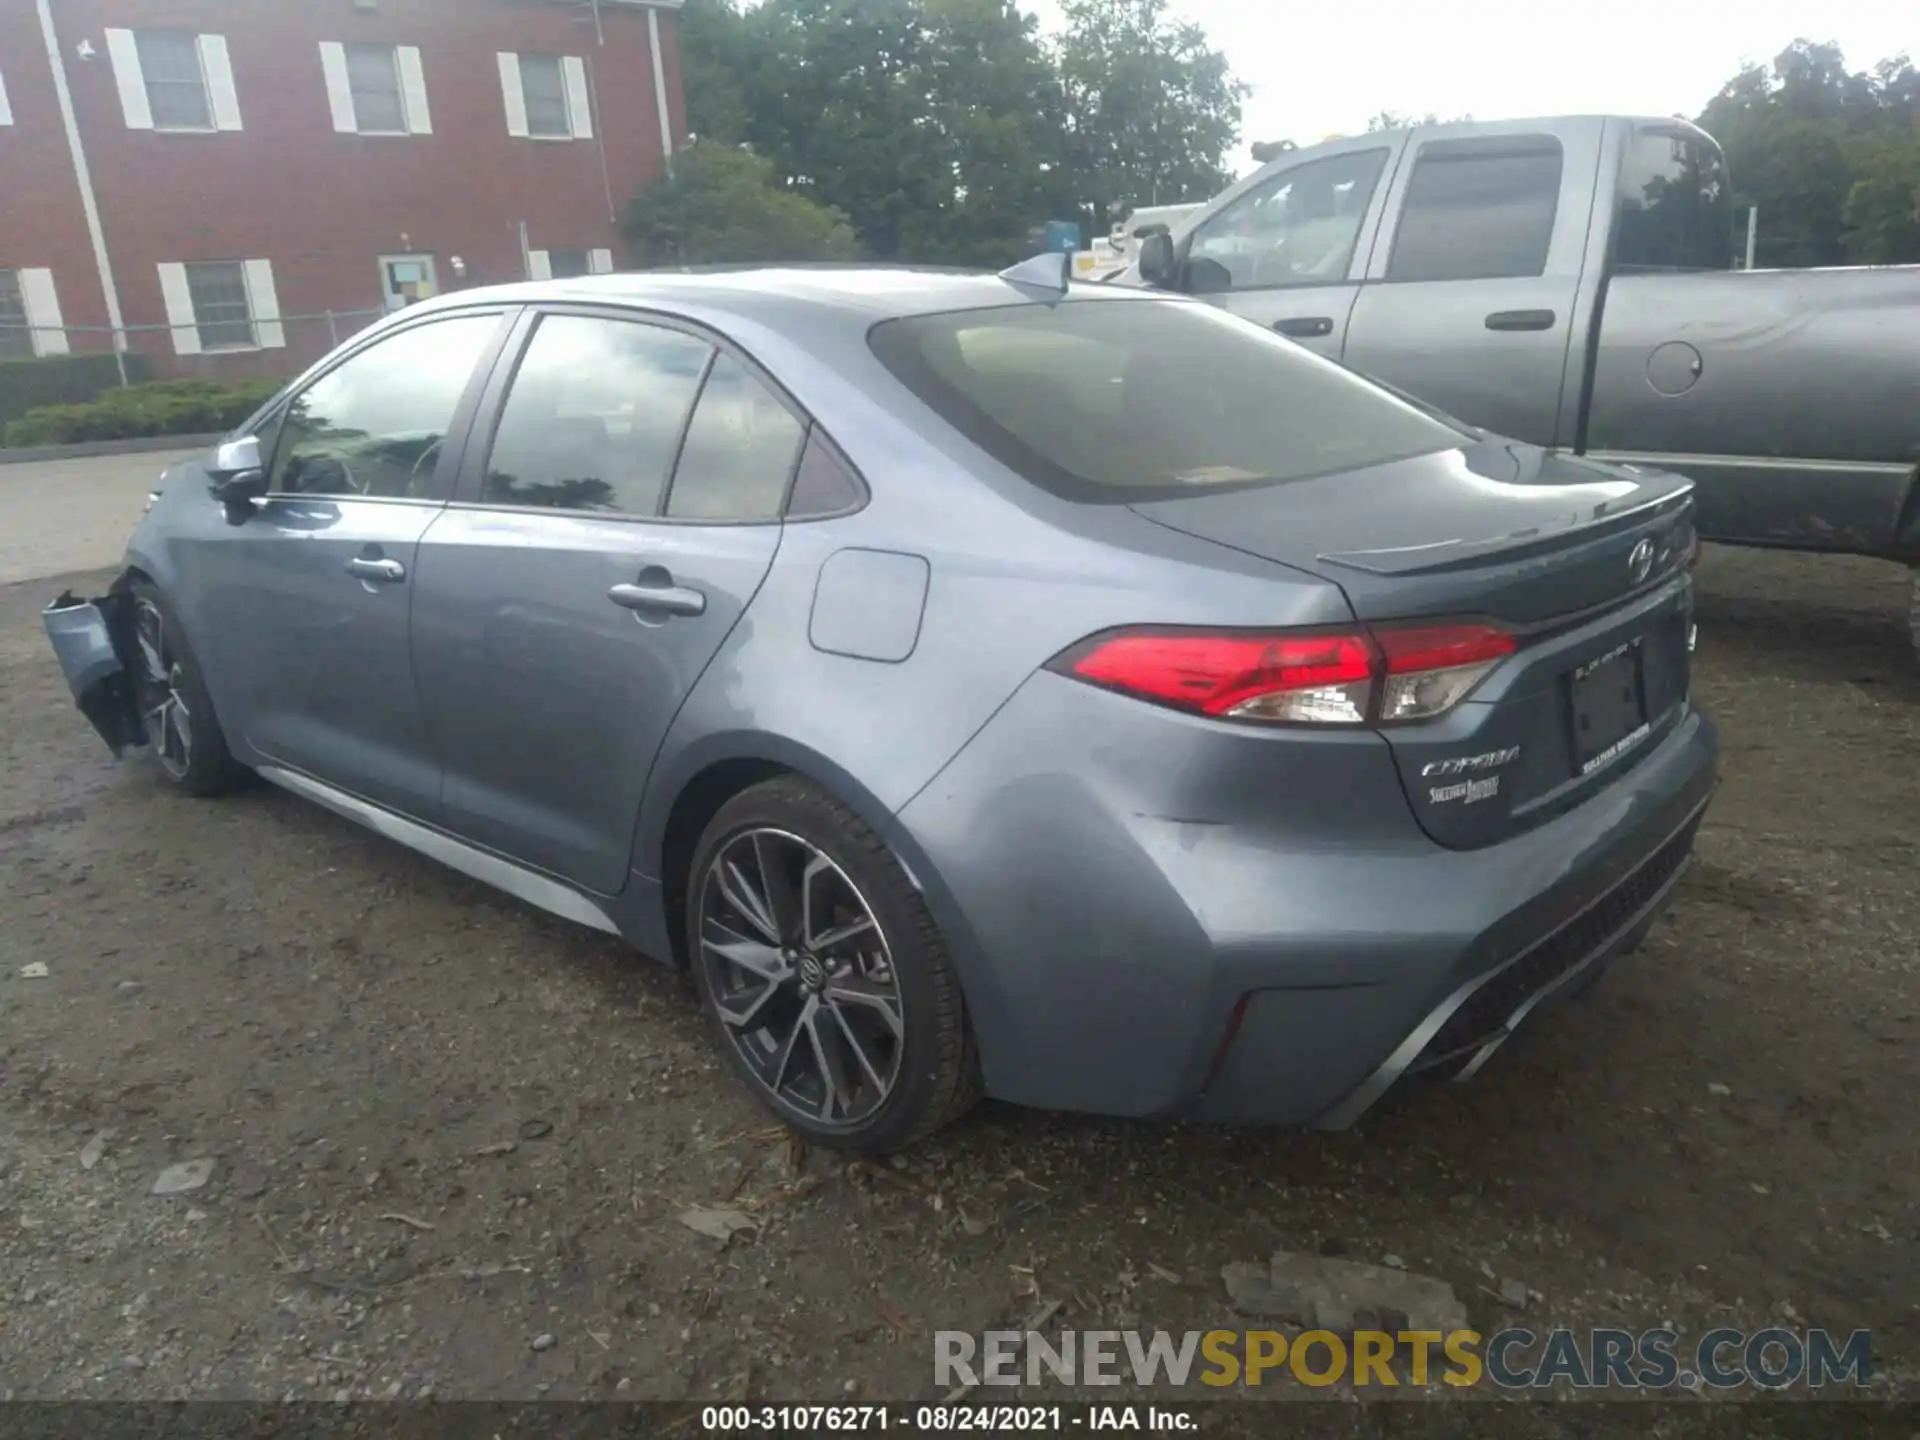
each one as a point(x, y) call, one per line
point(407, 279)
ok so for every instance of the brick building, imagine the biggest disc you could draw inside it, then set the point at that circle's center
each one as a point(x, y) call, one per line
point(214, 177)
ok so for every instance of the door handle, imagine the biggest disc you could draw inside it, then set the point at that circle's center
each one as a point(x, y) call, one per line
point(389, 572)
point(1305, 327)
point(1521, 320)
point(659, 599)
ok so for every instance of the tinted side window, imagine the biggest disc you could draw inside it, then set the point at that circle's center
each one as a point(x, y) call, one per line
point(1676, 207)
point(740, 450)
point(376, 424)
point(1297, 229)
point(594, 416)
point(825, 484)
point(1478, 214)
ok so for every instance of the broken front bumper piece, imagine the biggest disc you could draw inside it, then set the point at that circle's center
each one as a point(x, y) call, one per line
point(91, 639)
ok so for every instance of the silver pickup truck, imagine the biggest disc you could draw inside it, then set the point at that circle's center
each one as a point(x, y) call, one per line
point(1569, 282)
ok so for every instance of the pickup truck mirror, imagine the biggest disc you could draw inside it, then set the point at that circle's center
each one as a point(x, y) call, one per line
point(1158, 262)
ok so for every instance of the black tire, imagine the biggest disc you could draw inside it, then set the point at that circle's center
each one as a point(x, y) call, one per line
point(935, 1077)
point(203, 766)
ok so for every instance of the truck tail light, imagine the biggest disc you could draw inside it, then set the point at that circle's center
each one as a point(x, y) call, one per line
point(1302, 677)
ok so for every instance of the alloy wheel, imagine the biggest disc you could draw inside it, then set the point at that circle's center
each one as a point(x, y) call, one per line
point(802, 978)
point(161, 686)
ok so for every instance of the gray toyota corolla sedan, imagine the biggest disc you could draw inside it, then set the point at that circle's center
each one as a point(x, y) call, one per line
point(983, 684)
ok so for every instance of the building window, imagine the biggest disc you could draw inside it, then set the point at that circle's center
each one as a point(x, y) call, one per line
point(222, 305)
point(176, 86)
point(375, 89)
point(546, 96)
point(16, 333)
point(373, 77)
point(566, 264)
point(546, 91)
point(30, 320)
point(174, 80)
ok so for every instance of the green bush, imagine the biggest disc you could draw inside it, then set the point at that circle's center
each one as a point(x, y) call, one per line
point(62, 380)
point(165, 407)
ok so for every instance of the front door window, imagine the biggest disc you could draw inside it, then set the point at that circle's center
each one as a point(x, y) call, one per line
point(1299, 228)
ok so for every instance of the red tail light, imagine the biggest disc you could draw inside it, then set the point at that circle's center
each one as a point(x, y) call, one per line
point(1431, 670)
point(1350, 677)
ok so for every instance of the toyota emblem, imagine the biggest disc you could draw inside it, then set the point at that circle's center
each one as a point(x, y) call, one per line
point(1640, 563)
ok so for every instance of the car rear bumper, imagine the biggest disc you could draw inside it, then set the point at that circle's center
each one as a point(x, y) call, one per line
point(1154, 915)
point(1524, 962)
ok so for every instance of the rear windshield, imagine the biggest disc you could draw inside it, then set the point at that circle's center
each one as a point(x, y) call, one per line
point(1139, 400)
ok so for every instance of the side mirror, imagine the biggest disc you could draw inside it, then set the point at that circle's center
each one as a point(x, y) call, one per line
point(1158, 262)
point(239, 477)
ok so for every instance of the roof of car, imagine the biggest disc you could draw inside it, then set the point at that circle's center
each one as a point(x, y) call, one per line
point(869, 292)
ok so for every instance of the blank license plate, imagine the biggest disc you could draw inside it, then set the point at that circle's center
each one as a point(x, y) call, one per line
point(1609, 708)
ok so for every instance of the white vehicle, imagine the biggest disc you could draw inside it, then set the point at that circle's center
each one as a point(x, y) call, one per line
point(1111, 255)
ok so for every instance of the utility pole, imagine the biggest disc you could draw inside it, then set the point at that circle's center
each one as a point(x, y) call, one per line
point(1753, 232)
point(83, 178)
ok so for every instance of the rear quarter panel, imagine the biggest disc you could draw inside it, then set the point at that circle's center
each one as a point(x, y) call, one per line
point(1013, 577)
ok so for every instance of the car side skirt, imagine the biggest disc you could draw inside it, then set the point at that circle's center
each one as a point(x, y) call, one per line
point(542, 891)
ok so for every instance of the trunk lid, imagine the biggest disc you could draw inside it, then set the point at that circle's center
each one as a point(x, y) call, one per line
point(1588, 565)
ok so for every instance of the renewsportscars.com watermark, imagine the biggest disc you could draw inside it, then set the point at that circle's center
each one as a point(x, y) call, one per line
point(1515, 1359)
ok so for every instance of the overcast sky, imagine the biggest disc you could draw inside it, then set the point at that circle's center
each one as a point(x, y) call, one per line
point(1324, 68)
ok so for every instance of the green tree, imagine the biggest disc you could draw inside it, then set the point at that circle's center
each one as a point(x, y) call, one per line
point(1151, 108)
point(1882, 210)
point(1394, 120)
point(932, 123)
point(725, 205)
point(718, 65)
point(1825, 153)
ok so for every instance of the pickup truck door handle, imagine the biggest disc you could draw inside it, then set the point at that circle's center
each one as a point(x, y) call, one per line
point(1305, 326)
point(666, 600)
point(1521, 320)
point(385, 572)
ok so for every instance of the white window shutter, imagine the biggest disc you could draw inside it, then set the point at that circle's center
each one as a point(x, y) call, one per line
point(264, 301)
point(223, 99)
point(42, 303)
point(132, 82)
point(333, 64)
point(539, 265)
point(6, 110)
point(173, 289)
point(579, 107)
point(514, 93)
point(600, 262)
point(413, 85)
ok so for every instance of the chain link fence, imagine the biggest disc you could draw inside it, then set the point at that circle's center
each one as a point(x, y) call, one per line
point(279, 348)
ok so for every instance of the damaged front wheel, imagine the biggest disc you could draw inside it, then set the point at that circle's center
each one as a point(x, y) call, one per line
point(182, 731)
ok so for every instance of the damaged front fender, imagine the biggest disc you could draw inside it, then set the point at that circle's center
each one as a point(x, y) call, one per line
point(95, 644)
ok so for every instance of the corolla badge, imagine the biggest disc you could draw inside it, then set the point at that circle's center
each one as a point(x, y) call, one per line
point(1471, 764)
point(1640, 562)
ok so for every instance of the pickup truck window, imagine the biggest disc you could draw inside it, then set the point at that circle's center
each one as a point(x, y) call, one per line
point(1676, 207)
point(1478, 210)
point(1299, 228)
point(1131, 400)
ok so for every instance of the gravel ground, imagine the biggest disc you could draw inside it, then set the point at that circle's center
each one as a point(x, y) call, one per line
point(450, 1138)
